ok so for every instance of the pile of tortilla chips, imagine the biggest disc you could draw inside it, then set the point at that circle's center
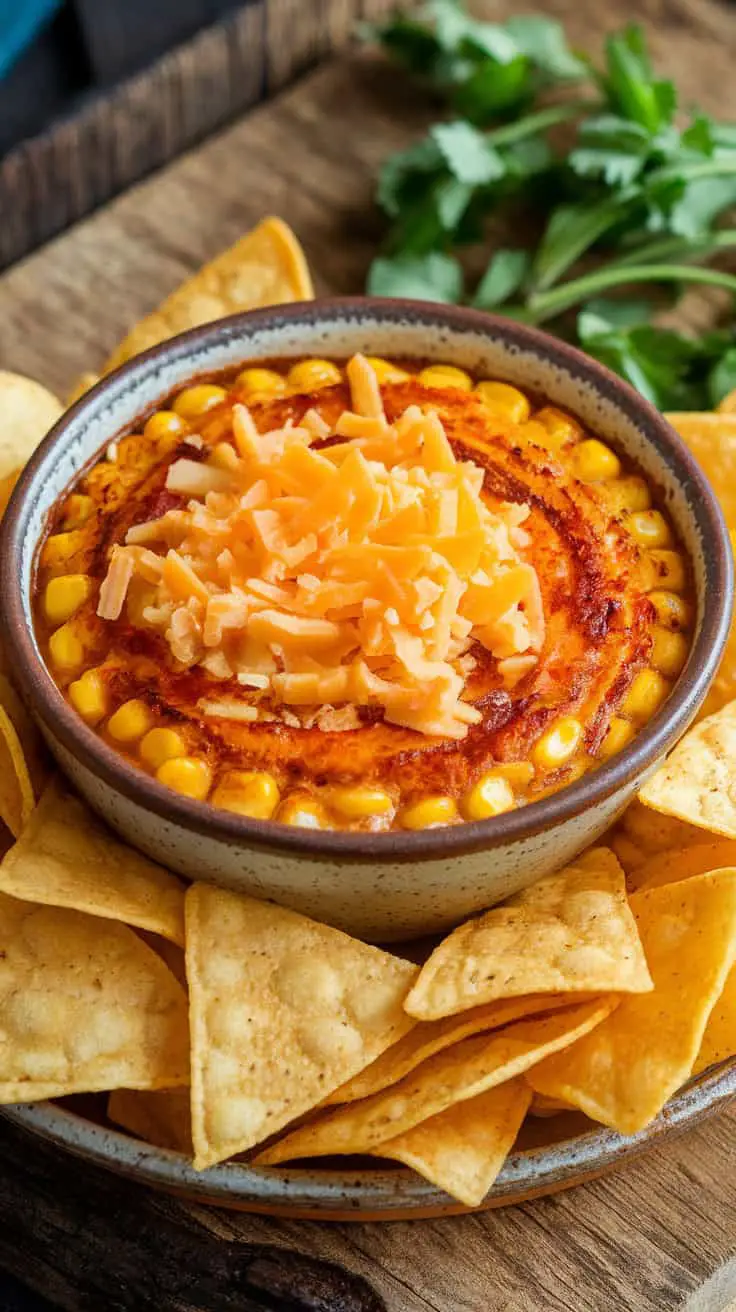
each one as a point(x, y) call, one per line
point(221, 1026)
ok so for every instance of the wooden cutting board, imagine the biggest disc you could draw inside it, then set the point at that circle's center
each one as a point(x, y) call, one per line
point(646, 1239)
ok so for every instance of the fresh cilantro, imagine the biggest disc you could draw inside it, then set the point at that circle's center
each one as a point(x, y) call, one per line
point(502, 279)
point(432, 277)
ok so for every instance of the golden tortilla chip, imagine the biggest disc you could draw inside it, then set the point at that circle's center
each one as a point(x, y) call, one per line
point(16, 790)
point(283, 1010)
point(463, 1149)
point(719, 1039)
point(27, 412)
point(169, 952)
point(728, 405)
point(161, 1117)
point(85, 1006)
point(432, 1036)
point(675, 866)
point(712, 440)
point(642, 834)
point(265, 267)
point(543, 1107)
point(66, 857)
point(6, 489)
point(82, 385)
point(569, 932)
point(697, 782)
point(624, 1073)
point(453, 1076)
point(29, 736)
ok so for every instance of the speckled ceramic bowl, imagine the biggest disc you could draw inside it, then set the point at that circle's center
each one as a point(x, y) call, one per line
point(379, 886)
point(552, 1154)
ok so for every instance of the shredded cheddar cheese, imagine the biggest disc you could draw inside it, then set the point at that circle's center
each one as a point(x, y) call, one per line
point(357, 572)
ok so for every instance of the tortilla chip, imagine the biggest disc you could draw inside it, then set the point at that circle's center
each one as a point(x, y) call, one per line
point(65, 857)
point(27, 412)
point(463, 1149)
point(29, 736)
point(283, 1010)
point(161, 1117)
point(430, 1037)
point(712, 440)
point(697, 782)
point(569, 932)
point(642, 834)
point(624, 1073)
point(82, 385)
point(453, 1076)
point(16, 790)
point(728, 405)
point(6, 489)
point(85, 1006)
point(719, 1039)
point(675, 866)
point(266, 267)
point(544, 1107)
point(169, 952)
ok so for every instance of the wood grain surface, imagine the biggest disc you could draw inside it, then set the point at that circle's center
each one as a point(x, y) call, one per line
point(645, 1239)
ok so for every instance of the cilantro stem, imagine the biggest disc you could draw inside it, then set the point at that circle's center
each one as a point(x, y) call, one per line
point(543, 119)
point(546, 305)
point(690, 248)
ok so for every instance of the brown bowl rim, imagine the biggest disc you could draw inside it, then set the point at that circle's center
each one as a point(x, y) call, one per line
point(649, 744)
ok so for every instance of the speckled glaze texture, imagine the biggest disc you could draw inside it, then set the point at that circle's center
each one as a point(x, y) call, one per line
point(387, 886)
point(580, 1152)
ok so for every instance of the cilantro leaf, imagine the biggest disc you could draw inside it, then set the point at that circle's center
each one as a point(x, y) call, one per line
point(543, 41)
point(468, 155)
point(503, 277)
point(432, 277)
point(628, 82)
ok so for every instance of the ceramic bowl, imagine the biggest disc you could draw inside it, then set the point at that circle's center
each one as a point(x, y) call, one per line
point(397, 885)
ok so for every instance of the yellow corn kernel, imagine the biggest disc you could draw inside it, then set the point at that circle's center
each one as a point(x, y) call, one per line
point(224, 456)
point(64, 595)
point(161, 745)
point(386, 372)
point(77, 508)
point(620, 733)
point(673, 612)
point(518, 773)
point(360, 802)
point(263, 383)
point(310, 375)
point(649, 528)
point(595, 462)
point(429, 812)
point(302, 811)
point(252, 793)
point(165, 423)
point(66, 649)
point(558, 744)
point(645, 696)
point(664, 569)
point(88, 696)
point(445, 375)
point(561, 427)
point(630, 493)
point(129, 722)
point(491, 795)
point(669, 651)
point(186, 775)
point(506, 401)
point(195, 401)
point(60, 549)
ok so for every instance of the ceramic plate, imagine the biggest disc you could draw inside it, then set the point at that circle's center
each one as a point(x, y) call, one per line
point(553, 1153)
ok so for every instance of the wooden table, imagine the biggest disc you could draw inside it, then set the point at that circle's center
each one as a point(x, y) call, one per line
point(644, 1239)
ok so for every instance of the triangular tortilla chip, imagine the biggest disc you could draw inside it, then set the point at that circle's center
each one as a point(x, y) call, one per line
point(265, 267)
point(27, 412)
point(697, 782)
point(161, 1117)
point(85, 1006)
point(461, 1072)
point(641, 834)
point(624, 1073)
point(283, 1010)
point(463, 1149)
point(16, 790)
point(671, 867)
point(719, 1039)
point(29, 736)
point(569, 932)
point(66, 857)
point(432, 1036)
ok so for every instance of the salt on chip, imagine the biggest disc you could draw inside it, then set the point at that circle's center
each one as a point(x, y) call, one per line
point(719, 1040)
point(624, 1072)
point(569, 932)
point(159, 1116)
point(66, 857)
point(641, 834)
point(27, 412)
point(463, 1149)
point(265, 267)
point(697, 782)
point(85, 1006)
point(430, 1037)
point(283, 1010)
point(467, 1069)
